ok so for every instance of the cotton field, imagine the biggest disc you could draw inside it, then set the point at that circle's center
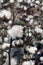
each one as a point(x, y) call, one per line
point(21, 32)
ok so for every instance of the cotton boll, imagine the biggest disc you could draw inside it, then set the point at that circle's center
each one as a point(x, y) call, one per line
point(8, 14)
point(37, 2)
point(6, 39)
point(38, 30)
point(5, 45)
point(30, 34)
point(11, 1)
point(31, 21)
point(5, 54)
point(41, 41)
point(17, 42)
point(33, 1)
point(31, 4)
point(11, 33)
point(10, 22)
point(41, 58)
point(29, 17)
point(28, 62)
point(28, 1)
point(19, 0)
point(25, 8)
point(16, 31)
point(1, 1)
point(13, 61)
point(13, 51)
point(5, 13)
point(13, 43)
point(31, 49)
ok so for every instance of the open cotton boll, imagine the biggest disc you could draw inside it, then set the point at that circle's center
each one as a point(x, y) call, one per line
point(5, 45)
point(11, 1)
point(41, 41)
point(28, 1)
point(42, 8)
point(10, 22)
point(13, 51)
point(19, 0)
point(5, 54)
point(41, 58)
point(31, 49)
point(25, 8)
point(28, 62)
point(6, 39)
point(30, 34)
point(38, 30)
point(1, 1)
point(5, 13)
point(17, 42)
point(33, 1)
point(13, 61)
point(16, 31)
point(37, 2)
point(8, 14)
point(31, 21)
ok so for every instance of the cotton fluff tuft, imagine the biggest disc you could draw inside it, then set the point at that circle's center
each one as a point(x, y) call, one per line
point(11, 1)
point(28, 1)
point(13, 61)
point(38, 30)
point(17, 42)
point(19, 0)
point(41, 58)
point(5, 54)
point(31, 49)
point(28, 62)
point(1, 1)
point(5, 45)
point(5, 13)
point(16, 31)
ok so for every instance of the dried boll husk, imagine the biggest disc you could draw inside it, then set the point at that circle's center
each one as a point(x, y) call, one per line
point(3, 33)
